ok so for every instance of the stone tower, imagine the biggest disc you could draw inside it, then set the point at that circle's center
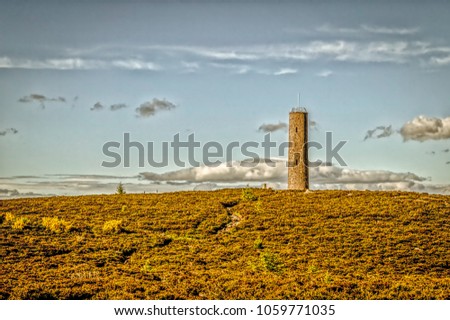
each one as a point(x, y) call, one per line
point(298, 175)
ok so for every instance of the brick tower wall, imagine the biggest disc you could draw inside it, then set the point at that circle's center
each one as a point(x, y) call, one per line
point(298, 176)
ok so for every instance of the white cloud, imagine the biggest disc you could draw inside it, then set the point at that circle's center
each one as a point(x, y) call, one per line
point(236, 172)
point(391, 31)
point(134, 64)
point(339, 50)
point(214, 178)
point(364, 29)
point(325, 73)
point(262, 172)
point(234, 68)
point(75, 64)
point(424, 128)
point(326, 28)
point(440, 61)
point(216, 54)
point(190, 67)
point(246, 58)
point(285, 71)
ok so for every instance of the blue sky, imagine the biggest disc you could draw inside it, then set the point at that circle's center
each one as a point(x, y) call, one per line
point(374, 74)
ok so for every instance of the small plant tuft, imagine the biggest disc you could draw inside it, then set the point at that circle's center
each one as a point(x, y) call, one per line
point(312, 269)
point(259, 206)
point(327, 278)
point(147, 267)
point(9, 217)
point(258, 244)
point(20, 223)
point(56, 225)
point(113, 226)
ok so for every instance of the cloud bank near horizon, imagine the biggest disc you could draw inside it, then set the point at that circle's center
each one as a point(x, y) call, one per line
point(421, 128)
point(212, 178)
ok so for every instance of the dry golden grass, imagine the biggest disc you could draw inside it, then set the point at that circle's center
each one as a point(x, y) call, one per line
point(227, 244)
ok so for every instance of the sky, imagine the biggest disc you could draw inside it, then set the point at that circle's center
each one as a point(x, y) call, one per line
point(76, 75)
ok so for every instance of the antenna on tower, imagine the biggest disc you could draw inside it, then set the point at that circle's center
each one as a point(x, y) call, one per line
point(298, 108)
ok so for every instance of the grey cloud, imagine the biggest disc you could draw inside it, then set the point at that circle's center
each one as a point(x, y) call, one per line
point(117, 106)
point(9, 192)
point(206, 187)
point(333, 174)
point(424, 128)
point(114, 107)
point(8, 131)
point(41, 99)
point(74, 101)
point(87, 176)
point(272, 127)
point(150, 108)
point(379, 132)
point(14, 193)
point(73, 184)
point(97, 106)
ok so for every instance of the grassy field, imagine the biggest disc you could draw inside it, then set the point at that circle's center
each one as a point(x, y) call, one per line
point(227, 244)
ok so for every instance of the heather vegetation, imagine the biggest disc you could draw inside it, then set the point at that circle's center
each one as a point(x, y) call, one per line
point(227, 244)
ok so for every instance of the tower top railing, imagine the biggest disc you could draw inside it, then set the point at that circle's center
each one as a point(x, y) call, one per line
point(299, 109)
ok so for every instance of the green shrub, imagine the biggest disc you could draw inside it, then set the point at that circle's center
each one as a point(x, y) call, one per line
point(112, 226)
point(271, 262)
point(248, 195)
point(268, 261)
point(120, 189)
point(56, 225)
